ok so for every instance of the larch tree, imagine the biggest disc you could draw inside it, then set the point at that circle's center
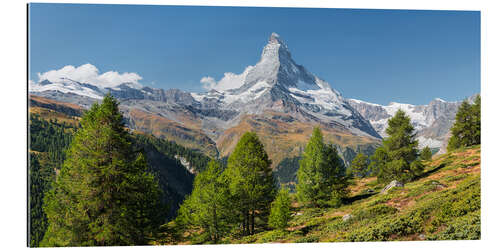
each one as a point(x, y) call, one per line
point(401, 148)
point(208, 206)
point(426, 154)
point(359, 165)
point(104, 194)
point(321, 175)
point(466, 131)
point(280, 209)
point(251, 181)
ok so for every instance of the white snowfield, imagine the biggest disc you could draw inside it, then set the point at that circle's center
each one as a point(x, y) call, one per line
point(417, 116)
point(65, 85)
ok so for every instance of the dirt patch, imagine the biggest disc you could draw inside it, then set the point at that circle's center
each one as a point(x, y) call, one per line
point(361, 185)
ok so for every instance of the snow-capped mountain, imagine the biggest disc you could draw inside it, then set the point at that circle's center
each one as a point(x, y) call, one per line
point(277, 83)
point(432, 122)
point(277, 98)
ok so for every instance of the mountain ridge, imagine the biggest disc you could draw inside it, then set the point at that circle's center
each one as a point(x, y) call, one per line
point(276, 84)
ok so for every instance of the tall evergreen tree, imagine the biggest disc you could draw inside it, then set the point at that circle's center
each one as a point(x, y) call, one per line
point(401, 148)
point(321, 174)
point(209, 206)
point(426, 154)
point(103, 194)
point(280, 209)
point(466, 130)
point(377, 160)
point(251, 181)
point(359, 165)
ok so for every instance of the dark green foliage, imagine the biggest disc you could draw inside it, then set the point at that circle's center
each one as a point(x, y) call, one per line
point(321, 177)
point(286, 171)
point(335, 179)
point(377, 160)
point(209, 206)
point(466, 130)
point(50, 137)
point(103, 194)
point(399, 151)
point(197, 160)
point(372, 212)
point(426, 154)
point(280, 210)
point(48, 141)
point(251, 181)
point(359, 166)
point(39, 183)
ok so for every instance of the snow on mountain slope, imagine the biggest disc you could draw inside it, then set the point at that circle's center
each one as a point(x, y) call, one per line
point(431, 122)
point(65, 85)
point(276, 82)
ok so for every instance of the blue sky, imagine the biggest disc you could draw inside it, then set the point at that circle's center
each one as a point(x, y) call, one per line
point(373, 55)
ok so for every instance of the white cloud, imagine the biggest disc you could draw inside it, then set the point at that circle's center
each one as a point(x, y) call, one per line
point(208, 82)
point(229, 81)
point(88, 73)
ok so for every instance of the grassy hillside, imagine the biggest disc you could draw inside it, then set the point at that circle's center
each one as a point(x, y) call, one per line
point(164, 128)
point(443, 204)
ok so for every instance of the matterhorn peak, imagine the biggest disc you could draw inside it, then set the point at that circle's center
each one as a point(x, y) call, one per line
point(275, 38)
point(275, 49)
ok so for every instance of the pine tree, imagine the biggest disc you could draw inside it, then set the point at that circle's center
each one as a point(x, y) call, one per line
point(321, 174)
point(251, 181)
point(466, 130)
point(476, 121)
point(209, 206)
point(401, 148)
point(103, 194)
point(280, 210)
point(377, 160)
point(308, 184)
point(335, 180)
point(359, 165)
point(426, 154)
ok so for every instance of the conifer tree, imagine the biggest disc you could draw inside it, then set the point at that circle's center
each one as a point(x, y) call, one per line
point(251, 181)
point(280, 209)
point(377, 160)
point(426, 154)
point(359, 165)
point(103, 194)
point(401, 148)
point(208, 207)
point(335, 179)
point(466, 130)
point(321, 174)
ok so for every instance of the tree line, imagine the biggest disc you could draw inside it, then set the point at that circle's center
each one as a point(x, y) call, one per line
point(104, 194)
point(243, 199)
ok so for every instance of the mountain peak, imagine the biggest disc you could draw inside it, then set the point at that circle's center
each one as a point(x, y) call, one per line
point(275, 38)
point(275, 49)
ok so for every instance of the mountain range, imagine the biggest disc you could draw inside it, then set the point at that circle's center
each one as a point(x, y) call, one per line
point(277, 98)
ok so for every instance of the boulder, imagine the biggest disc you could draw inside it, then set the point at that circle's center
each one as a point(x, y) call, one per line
point(393, 183)
point(346, 217)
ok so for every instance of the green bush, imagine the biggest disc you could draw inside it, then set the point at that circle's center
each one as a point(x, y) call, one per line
point(308, 239)
point(464, 228)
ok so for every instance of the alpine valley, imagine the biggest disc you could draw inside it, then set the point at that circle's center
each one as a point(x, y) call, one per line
point(277, 98)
